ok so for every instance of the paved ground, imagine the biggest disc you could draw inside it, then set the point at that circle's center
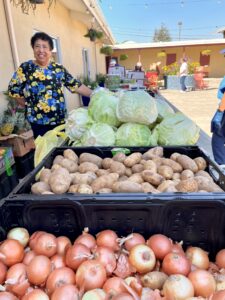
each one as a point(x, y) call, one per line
point(199, 105)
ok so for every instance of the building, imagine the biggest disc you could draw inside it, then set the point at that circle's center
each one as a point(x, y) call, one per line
point(67, 21)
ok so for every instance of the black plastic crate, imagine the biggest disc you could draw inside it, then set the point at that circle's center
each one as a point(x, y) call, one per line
point(7, 183)
point(25, 164)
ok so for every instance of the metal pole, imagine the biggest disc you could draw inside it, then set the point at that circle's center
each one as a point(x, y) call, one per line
point(179, 25)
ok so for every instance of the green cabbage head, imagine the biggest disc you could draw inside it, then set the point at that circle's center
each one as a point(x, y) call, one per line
point(136, 107)
point(177, 129)
point(99, 134)
point(163, 109)
point(133, 134)
point(102, 107)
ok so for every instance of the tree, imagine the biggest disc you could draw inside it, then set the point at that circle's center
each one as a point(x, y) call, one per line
point(162, 34)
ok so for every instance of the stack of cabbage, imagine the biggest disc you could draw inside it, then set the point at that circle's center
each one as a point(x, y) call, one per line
point(129, 118)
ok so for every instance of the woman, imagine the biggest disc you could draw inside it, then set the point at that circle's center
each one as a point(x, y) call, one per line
point(218, 127)
point(183, 74)
point(38, 85)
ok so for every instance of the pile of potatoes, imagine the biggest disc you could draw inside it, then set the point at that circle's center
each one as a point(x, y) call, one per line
point(149, 172)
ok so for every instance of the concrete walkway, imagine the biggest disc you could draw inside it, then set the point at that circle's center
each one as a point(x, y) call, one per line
point(199, 106)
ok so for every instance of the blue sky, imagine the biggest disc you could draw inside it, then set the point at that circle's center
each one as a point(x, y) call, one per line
point(137, 20)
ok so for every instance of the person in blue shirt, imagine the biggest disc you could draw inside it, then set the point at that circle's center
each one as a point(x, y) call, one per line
point(218, 127)
point(38, 86)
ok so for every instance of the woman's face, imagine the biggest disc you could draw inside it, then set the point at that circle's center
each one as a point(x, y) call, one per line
point(42, 52)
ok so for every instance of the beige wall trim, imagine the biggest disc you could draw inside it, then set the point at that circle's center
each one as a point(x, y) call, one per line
point(11, 31)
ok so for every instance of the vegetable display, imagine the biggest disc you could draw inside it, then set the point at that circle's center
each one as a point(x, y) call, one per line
point(148, 172)
point(106, 266)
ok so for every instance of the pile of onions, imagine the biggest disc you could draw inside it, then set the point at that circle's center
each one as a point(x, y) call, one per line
point(106, 267)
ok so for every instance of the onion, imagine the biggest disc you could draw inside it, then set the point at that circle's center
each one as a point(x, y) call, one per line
point(178, 287)
point(86, 239)
point(7, 296)
point(123, 266)
point(160, 244)
point(154, 280)
point(132, 240)
point(218, 295)
point(220, 259)
point(178, 248)
point(20, 234)
point(45, 245)
point(38, 269)
point(135, 284)
point(108, 238)
point(106, 257)
point(34, 237)
point(36, 294)
point(77, 254)
point(149, 294)
point(63, 243)
point(142, 258)
point(176, 263)
point(3, 271)
point(90, 275)
point(28, 257)
point(16, 279)
point(58, 261)
point(114, 286)
point(198, 257)
point(203, 282)
point(11, 252)
point(123, 296)
point(59, 277)
point(66, 292)
point(96, 294)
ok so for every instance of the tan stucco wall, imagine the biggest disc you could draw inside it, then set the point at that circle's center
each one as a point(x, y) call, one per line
point(149, 56)
point(58, 23)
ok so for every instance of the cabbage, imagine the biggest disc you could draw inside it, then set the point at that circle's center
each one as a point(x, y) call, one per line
point(133, 134)
point(136, 107)
point(102, 107)
point(77, 123)
point(99, 134)
point(163, 109)
point(177, 129)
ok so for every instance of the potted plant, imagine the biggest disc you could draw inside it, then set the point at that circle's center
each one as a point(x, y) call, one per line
point(161, 54)
point(123, 57)
point(26, 5)
point(206, 52)
point(107, 50)
point(100, 79)
point(93, 34)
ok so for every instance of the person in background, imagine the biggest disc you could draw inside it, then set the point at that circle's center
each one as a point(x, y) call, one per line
point(38, 86)
point(183, 74)
point(218, 127)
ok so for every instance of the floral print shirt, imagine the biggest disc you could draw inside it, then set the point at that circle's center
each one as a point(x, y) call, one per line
point(42, 89)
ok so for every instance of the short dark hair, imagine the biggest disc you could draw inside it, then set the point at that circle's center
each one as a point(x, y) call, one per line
point(42, 36)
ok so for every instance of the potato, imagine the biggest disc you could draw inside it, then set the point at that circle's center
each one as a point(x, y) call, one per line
point(106, 163)
point(95, 159)
point(70, 154)
point(138, 168)
point(132, 159)
point(128, 172)
point(207, 184)
point(104, 191)
point(165, 171)
point(60, 181)
point(119, 157)
point(57, 159)
point(157, 160)
point(201, 163)
point(171, 189)
point(136, 178)
point(153, 152)
point(87, 167)
point(101, 172)
point(122, 178)
point(165, 185)
point(86, 178)
point(84, 189)
point(149, 165)
point(127, 187)
point(187, 186)
point(176, 175)
point(105, 181)
point(203, 173)
point(48, 193)
point(174, 156)
point(45, 175)
point(117, 167)
point(152, 177)
point(73, 188)
point(186, 174)
point(148, 188)
point(177, 167)
point(187, 163)
point(55, 167)
point(40, 187)
point(70, 165)
point(154, 280)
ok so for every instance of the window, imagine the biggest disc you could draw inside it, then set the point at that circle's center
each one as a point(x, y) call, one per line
point(204, 60)
point(171, 58)
point(86, 64)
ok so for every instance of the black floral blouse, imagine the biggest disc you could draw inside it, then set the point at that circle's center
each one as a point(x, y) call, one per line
point(42, 89)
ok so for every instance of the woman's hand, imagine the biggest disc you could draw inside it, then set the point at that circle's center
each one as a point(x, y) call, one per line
point(20, 102)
